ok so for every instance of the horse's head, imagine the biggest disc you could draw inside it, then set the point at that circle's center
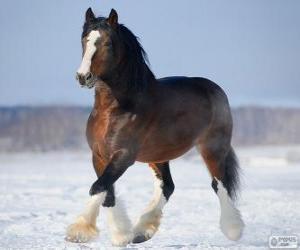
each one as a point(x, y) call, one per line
point(100, 47)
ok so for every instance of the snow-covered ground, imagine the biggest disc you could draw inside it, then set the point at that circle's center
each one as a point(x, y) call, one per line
point(41, 193)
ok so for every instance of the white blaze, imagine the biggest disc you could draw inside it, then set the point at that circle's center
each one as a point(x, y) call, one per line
point(89, 52)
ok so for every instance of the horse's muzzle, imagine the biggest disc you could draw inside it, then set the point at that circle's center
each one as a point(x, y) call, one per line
point(87, 80)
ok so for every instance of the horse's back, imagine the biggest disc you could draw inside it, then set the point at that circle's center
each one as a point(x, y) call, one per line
point(198, 85)
point(195, 90)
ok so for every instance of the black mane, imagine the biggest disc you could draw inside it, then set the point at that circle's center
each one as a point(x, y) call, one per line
point(135, 59)
point(134, 73)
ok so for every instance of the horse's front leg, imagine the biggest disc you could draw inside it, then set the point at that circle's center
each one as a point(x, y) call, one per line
point(149, 221)
point(118, 221)
point(102, 193)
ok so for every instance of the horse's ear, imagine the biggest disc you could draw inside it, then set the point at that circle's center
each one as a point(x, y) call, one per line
point(89, 15)
point(113, 18)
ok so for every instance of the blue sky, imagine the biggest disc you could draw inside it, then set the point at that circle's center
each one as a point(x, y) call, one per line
point(251, 48)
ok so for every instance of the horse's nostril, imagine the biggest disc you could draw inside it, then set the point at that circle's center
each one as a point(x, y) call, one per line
point(88, 76)
point(80, 78)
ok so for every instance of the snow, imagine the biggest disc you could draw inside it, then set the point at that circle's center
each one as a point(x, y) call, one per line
point(42, 193)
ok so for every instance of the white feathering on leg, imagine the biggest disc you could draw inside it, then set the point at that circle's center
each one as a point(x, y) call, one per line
point(231, 222)
point(149, 221)
point(92, 208)
point(84, 228)
point(119, 224)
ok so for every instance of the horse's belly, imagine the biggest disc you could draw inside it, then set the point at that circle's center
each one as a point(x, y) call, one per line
point(162, 153)
point(157, 157)
point(168, 142)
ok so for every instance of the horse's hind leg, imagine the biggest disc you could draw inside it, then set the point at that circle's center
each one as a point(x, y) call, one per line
point(223, 167)
point(149, 221)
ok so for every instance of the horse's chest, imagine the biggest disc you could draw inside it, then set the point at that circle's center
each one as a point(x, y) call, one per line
point(98, 127)
point(105, 129)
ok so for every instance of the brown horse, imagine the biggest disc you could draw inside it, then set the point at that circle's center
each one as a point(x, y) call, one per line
point(137, 117)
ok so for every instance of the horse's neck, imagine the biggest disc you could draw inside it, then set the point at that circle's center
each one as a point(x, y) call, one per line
point(119, 97)
point(104, 97)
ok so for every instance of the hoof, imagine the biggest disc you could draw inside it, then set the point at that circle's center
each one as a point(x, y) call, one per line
point(233, 229)
point(146, 230)
point(234, 232)
point(81, 231)
point(121, 240)
point(140, 238)
point(147, 226)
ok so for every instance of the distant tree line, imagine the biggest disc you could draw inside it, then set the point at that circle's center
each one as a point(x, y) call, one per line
point(63, 128)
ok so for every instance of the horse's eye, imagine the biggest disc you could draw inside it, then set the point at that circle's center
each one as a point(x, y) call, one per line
point(107, 44)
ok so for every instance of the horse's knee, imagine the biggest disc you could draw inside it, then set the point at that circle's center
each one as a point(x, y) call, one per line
point(97, 188)
point(120, 161)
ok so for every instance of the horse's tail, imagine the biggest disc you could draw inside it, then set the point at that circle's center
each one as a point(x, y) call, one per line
point(231, 179)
